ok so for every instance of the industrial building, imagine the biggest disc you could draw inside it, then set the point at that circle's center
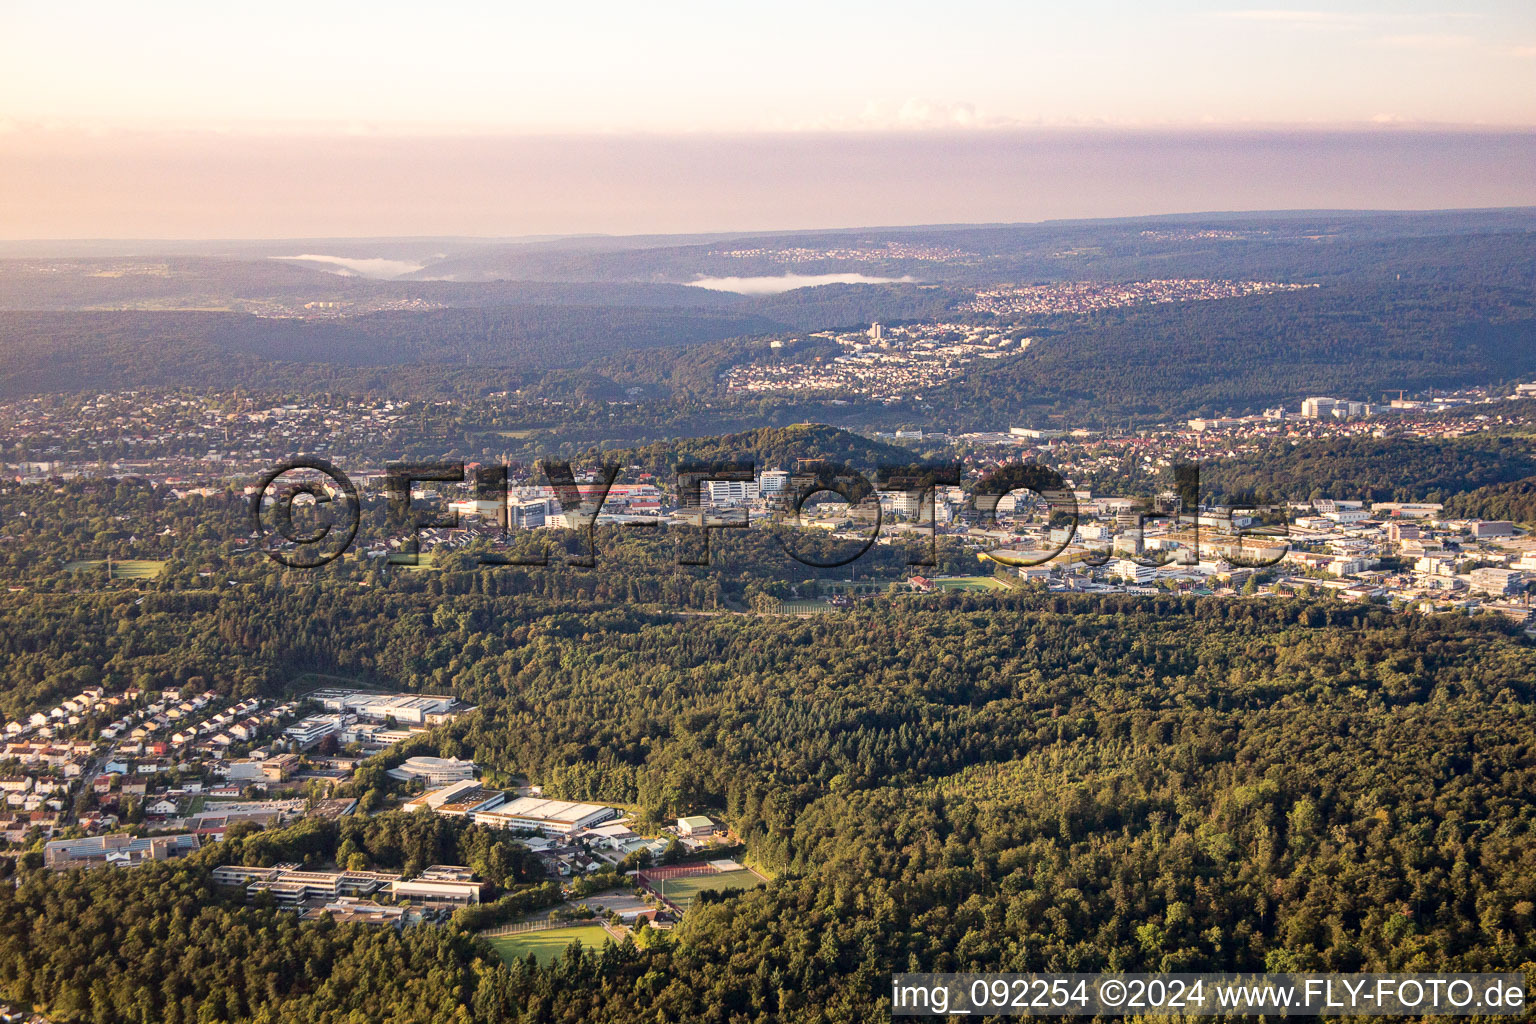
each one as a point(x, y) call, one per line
point(440, 883)
point(697, 825)
point(557, 817)
point(404, 708)
point(457, 800)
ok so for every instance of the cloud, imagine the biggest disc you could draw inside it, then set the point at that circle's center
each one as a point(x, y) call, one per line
point(920, 114)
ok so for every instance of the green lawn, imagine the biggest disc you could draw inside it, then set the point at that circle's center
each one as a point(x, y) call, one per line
point(127, 569)
point(549, 944)
point(804, 607)
point(970, 583)
point(683, 891)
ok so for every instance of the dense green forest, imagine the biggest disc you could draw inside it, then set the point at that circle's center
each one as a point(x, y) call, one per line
point(1513, 500)
point(1016, 782)
point(66, 351)
point(954, 782)
point(1379, 469)
point(1236, 356)
point(1013, 783)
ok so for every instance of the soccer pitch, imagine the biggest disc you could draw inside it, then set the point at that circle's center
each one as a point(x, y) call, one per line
point(683, 891)
point(548, 945)
point(804, 607)
point(127, 569)
point(970, 583)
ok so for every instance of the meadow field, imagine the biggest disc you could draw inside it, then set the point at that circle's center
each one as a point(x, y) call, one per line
point(683, 891)
point(547, 945)
point(127, 569)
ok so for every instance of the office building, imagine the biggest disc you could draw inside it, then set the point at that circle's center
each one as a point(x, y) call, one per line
point(116, 850)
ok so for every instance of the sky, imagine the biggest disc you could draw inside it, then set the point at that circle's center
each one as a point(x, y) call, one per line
point(168, 119)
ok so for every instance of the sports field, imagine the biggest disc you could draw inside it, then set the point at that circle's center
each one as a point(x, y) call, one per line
point(127, 569)
point(683, 891)
point(970, 583)
point(548, 944)
point(804, 607)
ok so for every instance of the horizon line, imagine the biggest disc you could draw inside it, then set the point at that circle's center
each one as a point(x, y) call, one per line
point(364, 129)
point(547, 237)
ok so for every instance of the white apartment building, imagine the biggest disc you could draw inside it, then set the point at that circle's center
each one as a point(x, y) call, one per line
point(773, 481)
point(730, 492)
point(902, 503)
point(311, 730)
point(1133, 572)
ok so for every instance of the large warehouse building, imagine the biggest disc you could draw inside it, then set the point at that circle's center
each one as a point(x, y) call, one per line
point(557, 817)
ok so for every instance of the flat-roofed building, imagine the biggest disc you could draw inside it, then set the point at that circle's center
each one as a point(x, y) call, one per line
point(449, 872)
point(240, 874)
point(351, 910)
point(612, 835)
point(696, 825)
point(460, 800)
point(440, 887)
point(557, 817)
point(1497, 582)
point(288, 884)
point(312, 730)
point(117, 850)
point(434, 771)
point(456, 796)
point(730, 492)
point(1517, 613)
point(405, 708)
point(1133, 572)
point(1406, 509)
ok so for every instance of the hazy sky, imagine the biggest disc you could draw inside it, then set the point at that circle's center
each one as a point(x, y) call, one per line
point(176, 119)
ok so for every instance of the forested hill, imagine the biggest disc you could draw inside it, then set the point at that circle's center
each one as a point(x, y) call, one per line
point(1411, 302)
point(768, 448)
point(55, 352)
point(1375, 469)
point(1237, 356)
